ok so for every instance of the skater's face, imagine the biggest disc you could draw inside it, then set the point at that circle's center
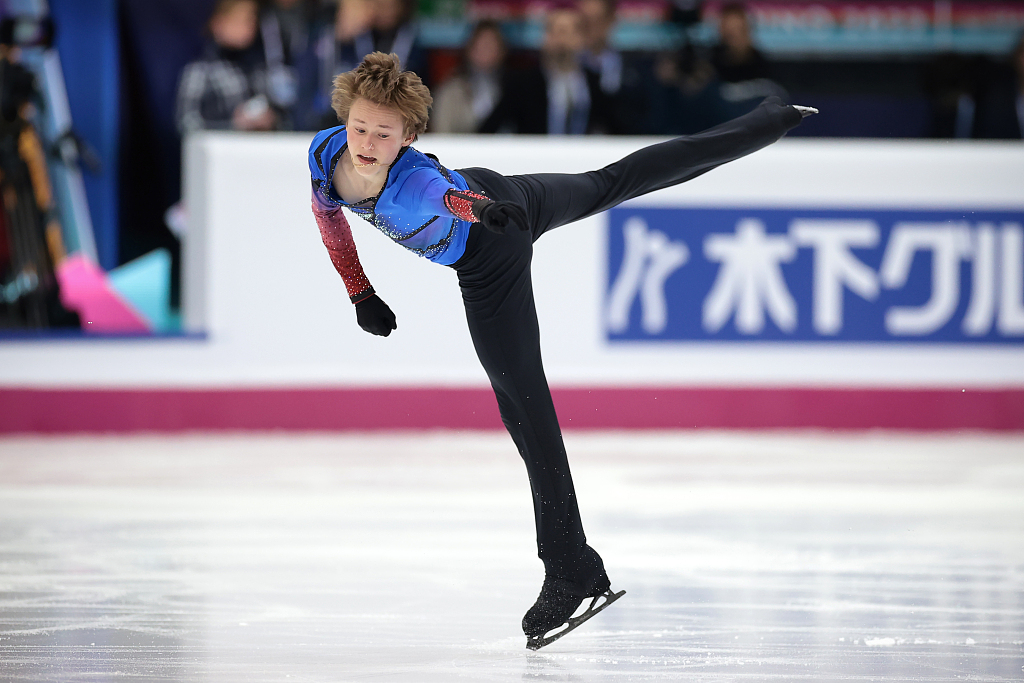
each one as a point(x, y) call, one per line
point(376, 134)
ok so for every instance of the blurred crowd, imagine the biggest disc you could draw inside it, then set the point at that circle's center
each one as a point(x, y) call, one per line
point(971, 98)
point(270, 66)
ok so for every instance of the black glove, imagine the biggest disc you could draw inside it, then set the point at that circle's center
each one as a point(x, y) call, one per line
point(374, 316)
point(496, 216)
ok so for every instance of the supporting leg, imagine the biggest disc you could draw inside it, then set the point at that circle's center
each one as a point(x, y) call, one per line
point(498, 295)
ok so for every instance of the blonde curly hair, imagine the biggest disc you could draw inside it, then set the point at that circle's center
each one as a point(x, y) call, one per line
point(381, 80)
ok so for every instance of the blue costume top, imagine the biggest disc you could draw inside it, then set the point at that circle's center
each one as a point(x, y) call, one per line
point(409, 209)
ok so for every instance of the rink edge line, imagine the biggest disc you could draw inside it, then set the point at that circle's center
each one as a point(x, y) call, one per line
point(72, 410)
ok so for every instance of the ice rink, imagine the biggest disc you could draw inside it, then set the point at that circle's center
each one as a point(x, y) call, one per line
point(411, 557)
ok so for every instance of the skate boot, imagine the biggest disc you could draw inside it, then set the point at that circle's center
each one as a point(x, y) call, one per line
point(560, 597)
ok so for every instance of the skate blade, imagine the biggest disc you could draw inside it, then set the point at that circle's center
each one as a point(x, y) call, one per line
point(537, 642)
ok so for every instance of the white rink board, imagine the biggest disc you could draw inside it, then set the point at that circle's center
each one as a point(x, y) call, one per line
point(258, 281)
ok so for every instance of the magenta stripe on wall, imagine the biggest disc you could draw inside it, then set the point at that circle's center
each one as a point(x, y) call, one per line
point(171, 410)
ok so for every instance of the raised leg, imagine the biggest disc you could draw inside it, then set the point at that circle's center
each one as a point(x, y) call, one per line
point(555, 199)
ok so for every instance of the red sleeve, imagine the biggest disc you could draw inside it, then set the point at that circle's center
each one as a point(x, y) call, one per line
point(337, 237)
point(460, 203)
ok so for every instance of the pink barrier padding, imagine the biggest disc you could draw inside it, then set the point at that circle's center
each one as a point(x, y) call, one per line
point(175, 410)
point(85, 289)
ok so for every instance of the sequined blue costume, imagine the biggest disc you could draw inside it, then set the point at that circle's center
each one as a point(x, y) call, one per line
point(410, 208)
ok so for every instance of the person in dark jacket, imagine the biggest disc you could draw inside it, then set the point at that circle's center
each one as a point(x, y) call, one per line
point(559, 96)
point(356, 28)
point(227, 88)
point(1001, 109)
point(285, 30)
point(734, 57)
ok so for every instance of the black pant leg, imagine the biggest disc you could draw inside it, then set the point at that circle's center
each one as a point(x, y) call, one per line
point(497, 291)
point(555, 199)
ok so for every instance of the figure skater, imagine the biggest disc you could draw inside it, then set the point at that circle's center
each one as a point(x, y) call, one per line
point(483, 225)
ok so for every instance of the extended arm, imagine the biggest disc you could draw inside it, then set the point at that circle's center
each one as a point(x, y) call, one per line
point(372, 314)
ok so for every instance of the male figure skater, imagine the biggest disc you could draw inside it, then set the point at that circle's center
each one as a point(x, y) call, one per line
point(483, 225)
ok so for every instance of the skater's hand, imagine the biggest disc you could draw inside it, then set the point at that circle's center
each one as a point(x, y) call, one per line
point(496, 216)
point(374, 316)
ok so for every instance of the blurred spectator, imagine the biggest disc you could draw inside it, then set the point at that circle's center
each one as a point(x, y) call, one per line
point(285, 27)
point(696, 90)
point(734, 57)
point(685, 13)
point(469, 97)
point(598, 20)
point(287, 23)
point(360, 27)
point(227, 88)
point(682, 95)
point(619, 78)
point(1001, 109)
point(951, 85)
point(743, 72)
point(327, 59)
point(558, 97)
point(392, 29)
point(687, 69)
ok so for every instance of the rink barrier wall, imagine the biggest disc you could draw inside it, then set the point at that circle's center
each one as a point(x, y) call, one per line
point(370, 409)
point(271, 340)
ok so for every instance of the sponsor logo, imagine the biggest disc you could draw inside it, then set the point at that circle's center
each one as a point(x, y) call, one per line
point(815, 275)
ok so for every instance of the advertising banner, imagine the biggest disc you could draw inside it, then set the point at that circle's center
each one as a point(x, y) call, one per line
point(771, 274)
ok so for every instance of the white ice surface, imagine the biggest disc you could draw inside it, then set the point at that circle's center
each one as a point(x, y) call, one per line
point(796, 557)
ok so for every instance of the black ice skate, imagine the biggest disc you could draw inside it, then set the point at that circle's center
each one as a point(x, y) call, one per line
point(550, 618)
